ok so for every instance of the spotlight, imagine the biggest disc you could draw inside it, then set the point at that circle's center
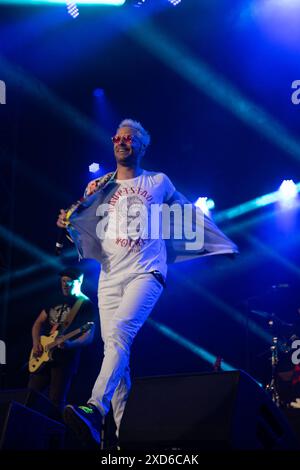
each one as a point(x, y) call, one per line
point(205, 204)
point(136, 3)
point(174, 2)
point(94, 167)
point(99, 92)
point(287, 191)
point(72, 9)
point(140, 3)
point(210, 204)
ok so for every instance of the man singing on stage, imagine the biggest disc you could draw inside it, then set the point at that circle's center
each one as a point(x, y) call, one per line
point(112, 225)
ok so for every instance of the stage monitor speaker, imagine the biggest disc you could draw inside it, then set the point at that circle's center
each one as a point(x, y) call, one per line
point(293, 417)
point(21, 428)
point(34, 400)
point(221, 410)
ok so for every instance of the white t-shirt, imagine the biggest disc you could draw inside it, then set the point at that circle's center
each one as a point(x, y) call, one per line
point(132, 250)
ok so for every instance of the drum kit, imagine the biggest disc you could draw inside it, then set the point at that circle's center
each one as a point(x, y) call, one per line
point(283, 383)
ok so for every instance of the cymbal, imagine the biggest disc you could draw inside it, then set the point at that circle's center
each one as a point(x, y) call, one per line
point(271, 316)
point(263, 314)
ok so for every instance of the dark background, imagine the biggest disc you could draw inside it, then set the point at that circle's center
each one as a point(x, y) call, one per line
point(166, 67)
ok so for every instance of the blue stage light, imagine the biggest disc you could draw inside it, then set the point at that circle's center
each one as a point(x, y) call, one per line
point(94, 167)
point(287, 191)
point(205, 204)
point(174, 2)
point(72, 9)
point(99, 93)
point(210, 203)
point(139, 3)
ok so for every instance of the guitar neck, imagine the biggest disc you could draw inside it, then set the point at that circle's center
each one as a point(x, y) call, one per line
point(63, 338)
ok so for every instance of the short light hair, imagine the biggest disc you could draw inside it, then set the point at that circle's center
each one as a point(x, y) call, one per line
point(143, 134)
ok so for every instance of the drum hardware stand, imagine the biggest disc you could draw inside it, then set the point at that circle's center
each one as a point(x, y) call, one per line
point(271, 387)
point(276, 346)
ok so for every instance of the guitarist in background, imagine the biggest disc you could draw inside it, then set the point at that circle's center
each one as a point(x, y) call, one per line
point(58, 374)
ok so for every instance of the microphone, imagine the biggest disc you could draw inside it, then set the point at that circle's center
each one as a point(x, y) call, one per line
point(62, 230)
point(59, 241)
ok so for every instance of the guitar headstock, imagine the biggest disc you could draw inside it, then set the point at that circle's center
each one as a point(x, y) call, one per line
point(87, 326)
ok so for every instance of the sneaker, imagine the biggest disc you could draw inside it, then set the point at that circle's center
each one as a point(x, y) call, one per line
point(85, 421)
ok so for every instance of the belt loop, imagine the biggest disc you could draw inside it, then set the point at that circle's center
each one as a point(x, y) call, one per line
point(158, 275)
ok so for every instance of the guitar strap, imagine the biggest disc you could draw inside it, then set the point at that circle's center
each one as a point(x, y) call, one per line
point(72, 314)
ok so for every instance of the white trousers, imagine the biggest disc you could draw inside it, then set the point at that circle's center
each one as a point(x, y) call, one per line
point(125, 302)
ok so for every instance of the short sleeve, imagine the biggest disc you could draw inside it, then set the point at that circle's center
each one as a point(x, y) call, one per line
point(169, 188)
point(89, 311)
